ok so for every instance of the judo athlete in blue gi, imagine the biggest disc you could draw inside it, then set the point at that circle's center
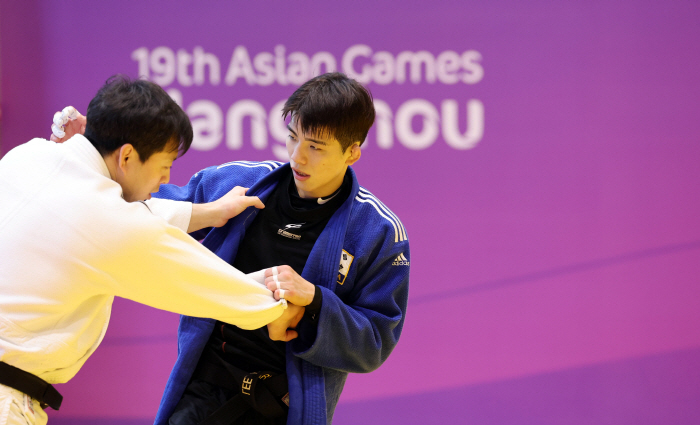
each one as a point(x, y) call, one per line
point(346, 259)
point(354, 274)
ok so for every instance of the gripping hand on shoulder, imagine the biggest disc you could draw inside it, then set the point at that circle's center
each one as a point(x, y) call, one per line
point(66, 124)
point(219, 212)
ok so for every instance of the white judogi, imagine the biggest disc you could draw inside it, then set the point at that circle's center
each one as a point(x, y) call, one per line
point(69, 243)
point(17, 408)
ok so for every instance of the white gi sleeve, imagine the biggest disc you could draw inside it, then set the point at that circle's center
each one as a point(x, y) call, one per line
point(159, 265)
point(176, 213)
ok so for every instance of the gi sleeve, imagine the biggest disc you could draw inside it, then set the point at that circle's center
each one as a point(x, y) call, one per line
point(208, 185)
point(357, 335)
point(159, 265)
point(176, 213)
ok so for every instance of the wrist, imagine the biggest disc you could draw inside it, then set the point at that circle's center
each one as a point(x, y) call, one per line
point(314, 307)
point(311, 294)
point(203, 215)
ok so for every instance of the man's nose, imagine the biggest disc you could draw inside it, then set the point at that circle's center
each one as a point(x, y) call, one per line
point(298, 154)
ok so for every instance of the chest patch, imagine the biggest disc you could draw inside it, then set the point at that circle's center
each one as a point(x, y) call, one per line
point(345, 263)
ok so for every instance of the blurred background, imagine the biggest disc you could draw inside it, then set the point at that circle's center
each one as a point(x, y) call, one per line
point(542, 155)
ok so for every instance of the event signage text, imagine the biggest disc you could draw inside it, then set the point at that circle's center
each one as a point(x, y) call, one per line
point(178, 70)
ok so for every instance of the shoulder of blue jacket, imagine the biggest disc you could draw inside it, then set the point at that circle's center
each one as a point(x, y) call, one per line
point(262, 168)
point(381, 213)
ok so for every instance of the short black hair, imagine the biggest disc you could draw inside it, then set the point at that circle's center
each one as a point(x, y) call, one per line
point(332, 104)
point(138, 112)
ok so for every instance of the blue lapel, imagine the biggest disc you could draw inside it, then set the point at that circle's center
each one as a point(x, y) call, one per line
point(322, 265)
point(306, 382)
point(224, 241)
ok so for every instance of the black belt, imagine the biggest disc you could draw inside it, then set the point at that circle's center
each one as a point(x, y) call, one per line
point(265, 392)
point(258, 393)
point(32, 385)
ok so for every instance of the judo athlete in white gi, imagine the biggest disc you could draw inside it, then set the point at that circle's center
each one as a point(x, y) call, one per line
point(73, 238)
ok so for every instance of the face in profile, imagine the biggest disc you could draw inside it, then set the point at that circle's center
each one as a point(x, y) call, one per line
point(140, 179)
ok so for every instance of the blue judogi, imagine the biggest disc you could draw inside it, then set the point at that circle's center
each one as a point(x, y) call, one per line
point(360, 262)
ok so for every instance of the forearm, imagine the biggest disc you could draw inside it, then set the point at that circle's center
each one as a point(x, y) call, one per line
point(176, 213)
point(203, 216)
point(175, 273)
point(188, 216)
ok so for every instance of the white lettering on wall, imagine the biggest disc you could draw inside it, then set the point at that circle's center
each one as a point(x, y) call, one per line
point(415, 123)
point(450, 124)
point(383, 68)
point(351, 69)
point(202, 61)
point(278, 131)
point(240, 66)
point(207, 121)
point(208, 124)
point(383, 124)
point(234, 124)
point(163, 66)
point(404, 129)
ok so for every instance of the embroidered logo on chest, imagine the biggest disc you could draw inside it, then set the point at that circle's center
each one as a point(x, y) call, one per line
point(345, 263)
point(286, 231)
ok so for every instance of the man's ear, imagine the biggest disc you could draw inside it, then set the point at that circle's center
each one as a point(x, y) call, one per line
point(355, 154)
point(126, 153)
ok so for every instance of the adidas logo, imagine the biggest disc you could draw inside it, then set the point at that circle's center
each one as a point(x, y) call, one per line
point(401, 260)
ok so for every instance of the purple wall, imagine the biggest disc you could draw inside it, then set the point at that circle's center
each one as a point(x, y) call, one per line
point(553, 222)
